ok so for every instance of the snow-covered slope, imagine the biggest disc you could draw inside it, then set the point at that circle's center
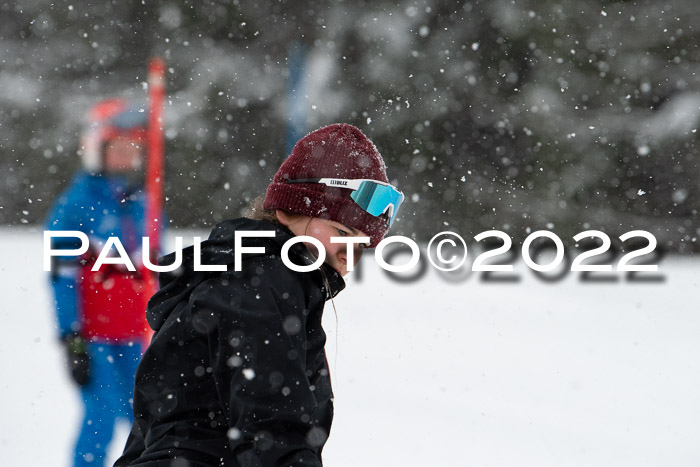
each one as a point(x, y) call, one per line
point(434, 373)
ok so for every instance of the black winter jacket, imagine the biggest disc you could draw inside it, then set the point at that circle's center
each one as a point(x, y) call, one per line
point(236, 373)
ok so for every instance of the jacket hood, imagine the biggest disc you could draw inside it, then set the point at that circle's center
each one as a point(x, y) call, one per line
point(175, 286)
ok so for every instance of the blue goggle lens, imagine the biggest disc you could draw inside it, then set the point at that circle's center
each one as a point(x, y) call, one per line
point(131, 118)
point(377, 199)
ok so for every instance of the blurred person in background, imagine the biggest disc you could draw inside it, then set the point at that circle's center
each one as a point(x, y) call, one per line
point(101, 314)
point(236, 373)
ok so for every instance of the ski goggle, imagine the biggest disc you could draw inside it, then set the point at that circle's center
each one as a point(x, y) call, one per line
point(374, 197)
point(134, 117)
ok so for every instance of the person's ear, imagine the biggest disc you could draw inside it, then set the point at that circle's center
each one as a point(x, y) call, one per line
point(284, 218)
point(297, 223)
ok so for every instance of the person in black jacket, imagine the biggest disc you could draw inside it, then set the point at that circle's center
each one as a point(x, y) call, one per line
point(236, 373)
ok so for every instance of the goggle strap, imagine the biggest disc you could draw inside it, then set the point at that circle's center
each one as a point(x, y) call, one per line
point(352, 184)
point(303, 180)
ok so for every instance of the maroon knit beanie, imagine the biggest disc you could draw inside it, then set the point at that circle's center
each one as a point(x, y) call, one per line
point(336, 151)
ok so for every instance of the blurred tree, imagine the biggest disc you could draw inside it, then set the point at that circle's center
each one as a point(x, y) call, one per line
point(511, 115)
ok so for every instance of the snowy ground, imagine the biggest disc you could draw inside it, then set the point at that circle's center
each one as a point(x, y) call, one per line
point(435, 373)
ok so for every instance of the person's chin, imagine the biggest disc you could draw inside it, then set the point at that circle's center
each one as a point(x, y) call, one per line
point(340, 268)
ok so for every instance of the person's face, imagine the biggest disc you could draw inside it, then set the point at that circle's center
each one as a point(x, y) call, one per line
point(336, 253)
point(123, 154)
point(323, 230)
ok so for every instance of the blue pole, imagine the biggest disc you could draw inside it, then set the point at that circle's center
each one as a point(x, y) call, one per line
point(296, 95)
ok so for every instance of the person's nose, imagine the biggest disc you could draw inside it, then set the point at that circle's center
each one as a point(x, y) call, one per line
point(357, 252)
point(342, 255)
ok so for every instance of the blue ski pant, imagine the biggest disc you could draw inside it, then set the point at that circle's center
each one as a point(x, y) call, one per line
point(107, 397)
